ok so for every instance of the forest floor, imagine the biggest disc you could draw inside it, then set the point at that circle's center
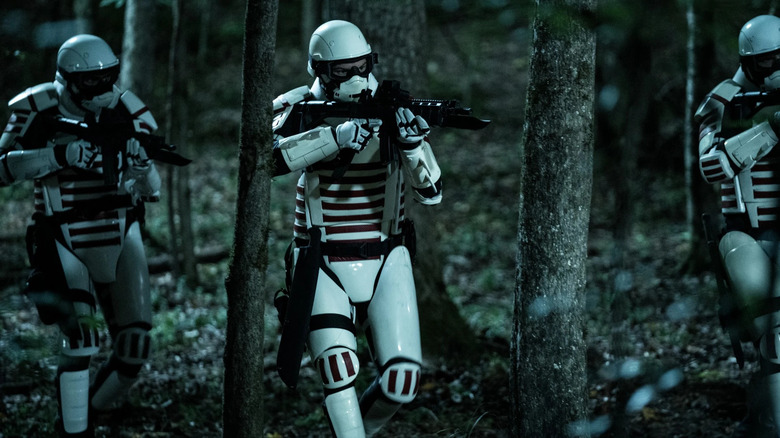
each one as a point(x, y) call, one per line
point(678, 379)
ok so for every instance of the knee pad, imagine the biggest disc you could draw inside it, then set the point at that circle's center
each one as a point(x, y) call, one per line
point(338, 367)
point(769, 346)
point(747, 266)
point(400, 380)
point(80, 337)
point(132, 345)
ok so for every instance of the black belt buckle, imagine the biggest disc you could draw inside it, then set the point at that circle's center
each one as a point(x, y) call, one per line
point(363, 250)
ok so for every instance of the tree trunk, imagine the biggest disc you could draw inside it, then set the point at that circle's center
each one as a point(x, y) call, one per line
point(700, 51)
point(170, 111)
point(182, 237)
point(311, 13)
point(548, 380)
point(245, 284)
point(137, 72)
point(400, 39)
point(84, 11)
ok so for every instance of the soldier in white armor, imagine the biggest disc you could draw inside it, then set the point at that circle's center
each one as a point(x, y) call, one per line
point(85, 243)
point(354, 199)
point(737, 151)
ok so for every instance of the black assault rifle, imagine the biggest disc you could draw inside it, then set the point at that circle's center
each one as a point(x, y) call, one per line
point(112, 138)
point(745, 105)
point(383, 105)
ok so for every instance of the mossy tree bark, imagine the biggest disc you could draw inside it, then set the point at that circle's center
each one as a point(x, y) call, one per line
point(548, 381)
point(243, 387)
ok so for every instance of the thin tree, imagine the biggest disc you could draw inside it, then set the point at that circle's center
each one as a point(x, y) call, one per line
point(138, 44)
point(182, 236)
point(84, 11)
point(700, 50)
point(400, 39)
point(548, 381)
point(243, 387)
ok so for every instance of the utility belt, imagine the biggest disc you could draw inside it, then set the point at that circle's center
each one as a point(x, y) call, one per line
point(89, 210)
point(47, 228)
point(766, 230)
point(366, 250)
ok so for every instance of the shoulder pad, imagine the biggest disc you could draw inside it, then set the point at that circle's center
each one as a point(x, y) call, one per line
point(717, 99)
point(726, 90)
point(138, 110)
point(38, 98)
point(291, 97)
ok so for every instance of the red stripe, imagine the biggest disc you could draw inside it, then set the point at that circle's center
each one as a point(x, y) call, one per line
point(354, 229)
point(139, 112)
point(407, 382)
point(719, 98)
point(362, 179)
point(82, 190)
point(768, 210)
point(352, 193)
point(715, 171)
point(31, 101)
point(348, 362)
point(770, 180)
point(332, 165)
point(94, 230)
point(95, 243)
point(391, 381)
point(334, 368)
point(352, 206)
point(327, 218)
point(81, 177)
point(767, 195)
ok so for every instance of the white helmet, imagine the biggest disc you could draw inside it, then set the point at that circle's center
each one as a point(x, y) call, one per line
point(759, 50)
point(336, 43)
point(88, 69)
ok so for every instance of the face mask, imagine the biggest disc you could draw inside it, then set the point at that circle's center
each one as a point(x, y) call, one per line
point(99, 102)
point(351, 90)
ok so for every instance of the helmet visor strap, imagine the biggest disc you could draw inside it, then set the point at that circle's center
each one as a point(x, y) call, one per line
point(341, 70)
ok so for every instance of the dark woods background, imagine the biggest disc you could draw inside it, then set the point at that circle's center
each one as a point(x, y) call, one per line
point(650, 294)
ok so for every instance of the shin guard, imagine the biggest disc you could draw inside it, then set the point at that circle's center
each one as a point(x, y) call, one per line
point(343, 412)
point(73, 394)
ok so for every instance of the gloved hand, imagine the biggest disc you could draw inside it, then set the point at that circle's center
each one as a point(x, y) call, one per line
point(353, 135)
point(82, 154)
point(136, 154)
point(411, 129)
